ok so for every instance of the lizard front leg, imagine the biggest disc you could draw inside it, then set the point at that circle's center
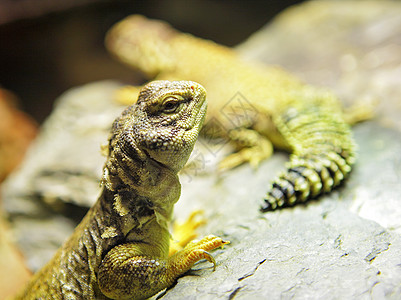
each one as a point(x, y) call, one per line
point(184, 233)
point(126, 272)
point(252, 148)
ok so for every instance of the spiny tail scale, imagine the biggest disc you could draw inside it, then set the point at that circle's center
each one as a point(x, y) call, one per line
point(323, 153)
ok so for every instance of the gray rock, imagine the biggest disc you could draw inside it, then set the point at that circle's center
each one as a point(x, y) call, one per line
point(345, 245)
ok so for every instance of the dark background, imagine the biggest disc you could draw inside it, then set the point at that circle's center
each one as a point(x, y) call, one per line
point(48, 46)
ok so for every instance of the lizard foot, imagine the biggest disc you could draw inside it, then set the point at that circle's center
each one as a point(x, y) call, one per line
point(186, 231)
point(194, 251)
point(252, 147)
point(236, 159)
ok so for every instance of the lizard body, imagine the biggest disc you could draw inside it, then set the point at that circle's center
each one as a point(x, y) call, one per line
point(120, 249)
point(284, 112)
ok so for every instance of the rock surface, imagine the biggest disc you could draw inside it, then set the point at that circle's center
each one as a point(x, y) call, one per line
point(346, 245)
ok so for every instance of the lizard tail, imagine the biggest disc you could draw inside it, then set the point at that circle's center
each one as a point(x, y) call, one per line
point(323, 154)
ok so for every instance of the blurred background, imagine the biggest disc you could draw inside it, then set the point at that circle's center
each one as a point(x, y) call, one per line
point(48, 46)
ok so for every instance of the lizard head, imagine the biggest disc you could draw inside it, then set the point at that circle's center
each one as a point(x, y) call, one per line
point(164, 124)
point(143, 44)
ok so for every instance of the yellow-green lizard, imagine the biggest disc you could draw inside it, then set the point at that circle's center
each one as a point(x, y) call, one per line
point(120, 249)
point(255, 107)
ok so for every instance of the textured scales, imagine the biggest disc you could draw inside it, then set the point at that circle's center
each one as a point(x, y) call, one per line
point(120, 249)
point(256, 107)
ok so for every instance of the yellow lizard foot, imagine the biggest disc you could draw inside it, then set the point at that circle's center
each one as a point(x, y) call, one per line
point(186, 231)
point(196, 250)
point(245, 155)
point(252, 147)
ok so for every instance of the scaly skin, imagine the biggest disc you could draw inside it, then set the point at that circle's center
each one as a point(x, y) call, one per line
point(256, 107)
point(120, 249)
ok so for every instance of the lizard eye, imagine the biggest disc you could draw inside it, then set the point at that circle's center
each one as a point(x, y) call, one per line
point(170, 105)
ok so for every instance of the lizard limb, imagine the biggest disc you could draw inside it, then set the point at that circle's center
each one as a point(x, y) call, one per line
point(185, 232)
point(253, 148)
point(129, 272)
point(183, 260)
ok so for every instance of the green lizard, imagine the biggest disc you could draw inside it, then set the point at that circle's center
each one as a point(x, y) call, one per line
point(120, 249)
point(256, 107)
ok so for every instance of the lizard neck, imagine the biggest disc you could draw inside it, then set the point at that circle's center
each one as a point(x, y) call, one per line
point(137, 189)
